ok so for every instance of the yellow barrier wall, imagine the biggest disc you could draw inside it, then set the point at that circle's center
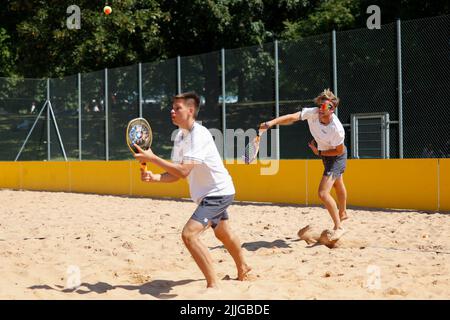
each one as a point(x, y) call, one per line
point(444, 184)
point(112, 177)
point(396, 183)
point(179, 189)
point(287, 186)
point(10, 175)
point(51, 176)
point(314, 171)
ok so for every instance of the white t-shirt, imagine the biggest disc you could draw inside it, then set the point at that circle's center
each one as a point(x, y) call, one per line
point(327, 136)
point(208, 177)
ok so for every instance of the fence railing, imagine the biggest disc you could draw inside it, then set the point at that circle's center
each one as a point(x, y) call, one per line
point(392, 83)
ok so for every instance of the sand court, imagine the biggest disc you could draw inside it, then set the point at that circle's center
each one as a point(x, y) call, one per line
point(56, 245)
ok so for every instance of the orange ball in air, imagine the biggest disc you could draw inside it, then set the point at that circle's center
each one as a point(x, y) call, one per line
point(107, 10)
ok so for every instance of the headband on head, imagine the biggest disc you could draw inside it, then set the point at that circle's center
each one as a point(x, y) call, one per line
point(327, 105)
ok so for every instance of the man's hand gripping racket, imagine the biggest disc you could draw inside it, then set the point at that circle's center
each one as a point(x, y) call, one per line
point(252, 148)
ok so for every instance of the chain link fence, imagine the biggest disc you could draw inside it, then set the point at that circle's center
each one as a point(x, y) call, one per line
point(64, 101)
point(305, 69)
point(20, 103)
point(159, 85)
point(202, 74)
point(392, 84)
point(367, 84)
point(249, 84)
point(426, 83)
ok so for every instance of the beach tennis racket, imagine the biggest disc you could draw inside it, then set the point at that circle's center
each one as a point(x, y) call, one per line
point(252, 148)
point(140, 133)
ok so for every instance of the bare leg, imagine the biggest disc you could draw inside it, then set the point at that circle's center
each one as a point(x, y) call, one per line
point(324, 194)
point(341, 193)
point(199, 251)
point(231, 242)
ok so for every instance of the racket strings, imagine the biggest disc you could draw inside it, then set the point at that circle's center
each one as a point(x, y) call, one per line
point(251, 151)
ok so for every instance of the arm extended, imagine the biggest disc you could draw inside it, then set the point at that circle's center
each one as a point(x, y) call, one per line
point(282, 120)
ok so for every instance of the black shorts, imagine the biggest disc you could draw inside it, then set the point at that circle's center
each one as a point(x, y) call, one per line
point(212, 210)
point(334, 165)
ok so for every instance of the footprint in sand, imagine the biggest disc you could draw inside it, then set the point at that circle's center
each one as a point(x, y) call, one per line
point(311, 234)
point(248, 277)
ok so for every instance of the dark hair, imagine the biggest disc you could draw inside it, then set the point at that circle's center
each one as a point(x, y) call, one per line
point(190, 97)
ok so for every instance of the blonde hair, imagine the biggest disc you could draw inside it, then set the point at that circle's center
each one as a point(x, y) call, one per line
point(325, 95)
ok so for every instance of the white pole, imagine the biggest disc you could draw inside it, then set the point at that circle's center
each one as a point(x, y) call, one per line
point(48, 122)
point(106, 117)
point(140, 88)
point(277, 102)
point(400, 89)
point(334, 58)
point(179, 74)
point(79, 116)
point(224, 106)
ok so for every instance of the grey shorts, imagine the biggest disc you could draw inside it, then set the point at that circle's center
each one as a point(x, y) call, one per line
point(335, 165)
point(212, 210)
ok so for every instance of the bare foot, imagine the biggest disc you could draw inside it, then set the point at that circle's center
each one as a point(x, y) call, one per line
point(243, 273)
point(210, 290)
point(343, 216)
point(213, 286)
point(337, 233)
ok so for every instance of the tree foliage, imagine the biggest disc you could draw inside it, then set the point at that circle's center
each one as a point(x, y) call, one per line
point(6, 55)
point(149, 30)
point(46, 47)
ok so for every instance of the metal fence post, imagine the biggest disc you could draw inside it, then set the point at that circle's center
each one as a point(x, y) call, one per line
point(48, 122)
point(224, 105)
point(140, 88)
point(179, 74)
point(106, 117)
point(277, 102)
point(79, 116)
point(400, 89)
point(334, 59)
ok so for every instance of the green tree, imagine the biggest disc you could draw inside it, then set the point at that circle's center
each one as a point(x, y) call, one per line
point(226, 24)
point(215, 25)
point(6, 55)
point(328, 15)
point(46, 47)
point(403, 9)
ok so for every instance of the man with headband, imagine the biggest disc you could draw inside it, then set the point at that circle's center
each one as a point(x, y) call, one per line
point(328, 144)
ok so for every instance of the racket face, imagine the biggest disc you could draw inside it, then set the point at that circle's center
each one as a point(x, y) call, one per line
point(251, 150)
point(140, 133)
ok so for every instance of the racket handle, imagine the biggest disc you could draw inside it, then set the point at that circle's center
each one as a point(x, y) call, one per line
point(144, 166)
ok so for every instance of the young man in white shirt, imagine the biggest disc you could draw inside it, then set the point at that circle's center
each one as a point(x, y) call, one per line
point(195, 156)
point(328, 143)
